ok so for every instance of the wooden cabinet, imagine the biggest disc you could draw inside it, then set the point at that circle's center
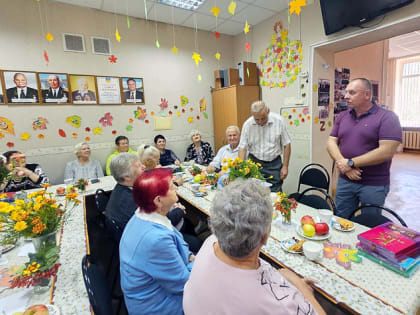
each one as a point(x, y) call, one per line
point(231, 106)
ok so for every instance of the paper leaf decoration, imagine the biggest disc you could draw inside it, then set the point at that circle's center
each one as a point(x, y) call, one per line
point(10, 144)
point(6, 125)
point(140, 113)
point(281, 62)
point(87, 139)
point(295, 6)
point(191, 109)
point(183, 110)
point(215, 11)
point(178, 113)
point(305, 110)
point(232, 7)
point(196, 58)
point(130, 120)
point(112, 59)
point(175, 49)
point(97, 131)
point(342, 253)
point(202, 105)
point(128, 23)
point(285, 114)
point(41, 136)
point(199, 77)
point(316, 120)
point(247, 46)
point(246, 28)
point(87, 129)
point(1, 135)
point(197, 117)
point(47, 59)
point(217, 55)
point(74, 135)
point(114, 132)
point(62, 133)
point(74, 120)
point(117, 35)
point(184, 100)
point(217, 34)
point(163, 103)
point(40, 123)
point(206, 116)
point(157, 43)
point(247, 72)
point(49, 37)
point(25, 136)
point(190, 119)
point(106, 120)
point(128, 127)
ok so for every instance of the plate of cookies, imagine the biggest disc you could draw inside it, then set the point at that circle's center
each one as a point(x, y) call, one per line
point(343, 225)
point(292, 245)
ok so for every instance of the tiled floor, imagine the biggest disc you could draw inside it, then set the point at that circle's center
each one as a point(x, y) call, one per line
point(404, 194)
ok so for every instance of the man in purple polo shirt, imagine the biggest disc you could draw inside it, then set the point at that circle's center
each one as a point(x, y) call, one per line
point(362, 144)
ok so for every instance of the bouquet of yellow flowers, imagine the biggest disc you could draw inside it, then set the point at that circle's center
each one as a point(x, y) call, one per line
point(285, 205)
point(242, 168)
point(36, 216)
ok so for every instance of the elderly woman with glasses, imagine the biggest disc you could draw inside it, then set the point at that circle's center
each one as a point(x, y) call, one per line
point(83, 166)
point(199, 151)
point(228, 275)
point(155, 262)
point(24, 176)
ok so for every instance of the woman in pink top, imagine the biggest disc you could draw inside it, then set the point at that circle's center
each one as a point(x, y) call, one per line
point(228, 276)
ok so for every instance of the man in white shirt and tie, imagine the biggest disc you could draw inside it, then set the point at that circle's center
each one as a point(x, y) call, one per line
point(229, 151)
point(21, 93)
point(55, 93)
point(265, 138)
point(133, 95)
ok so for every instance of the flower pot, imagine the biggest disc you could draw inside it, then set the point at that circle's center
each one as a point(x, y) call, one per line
point(45, 241)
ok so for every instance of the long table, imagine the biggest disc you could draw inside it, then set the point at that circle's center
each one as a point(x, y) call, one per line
point(366, 288)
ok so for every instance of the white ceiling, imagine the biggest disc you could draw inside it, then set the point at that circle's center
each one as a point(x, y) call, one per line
point(254, 11)
point(404, 45)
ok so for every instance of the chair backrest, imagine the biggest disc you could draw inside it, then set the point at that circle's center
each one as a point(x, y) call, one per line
point(114, 229)
point(97, 287)
point(373, 215)
point(101, 199)
point(316, 201)
point(314, 175)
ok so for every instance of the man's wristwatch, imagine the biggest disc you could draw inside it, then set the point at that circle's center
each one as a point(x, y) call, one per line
point(350, 163)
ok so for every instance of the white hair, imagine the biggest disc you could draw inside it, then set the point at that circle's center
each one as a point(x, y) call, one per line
point(78, 147)
point(236, 128)
point(122, 165)
point(258, 106)
point(147, 152)
point(194, 132)
point(80, 81)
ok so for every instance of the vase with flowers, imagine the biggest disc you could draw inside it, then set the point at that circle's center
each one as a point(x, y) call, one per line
point(239, 168)
point(81, 184)
point(285, 206)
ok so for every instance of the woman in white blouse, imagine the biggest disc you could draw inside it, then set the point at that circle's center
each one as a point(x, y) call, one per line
point(83, 167)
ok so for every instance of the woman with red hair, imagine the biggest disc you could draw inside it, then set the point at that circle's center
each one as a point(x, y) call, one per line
point(155, 261)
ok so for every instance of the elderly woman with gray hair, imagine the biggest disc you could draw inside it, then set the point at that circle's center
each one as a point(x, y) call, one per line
point(199, 151)
point(228, 276)
point(83, 167)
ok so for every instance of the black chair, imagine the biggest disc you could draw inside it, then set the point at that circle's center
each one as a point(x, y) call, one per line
point(316, 201)
point(373, 215)
point(97, 287)
point(101, 199)
point(314, 175)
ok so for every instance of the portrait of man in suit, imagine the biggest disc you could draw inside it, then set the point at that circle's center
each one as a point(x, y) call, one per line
point(133, 93)
point(53, 90)
point(21, 92)
point(83, 94)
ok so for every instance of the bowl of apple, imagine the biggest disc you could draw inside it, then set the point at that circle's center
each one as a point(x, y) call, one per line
point(311, 230)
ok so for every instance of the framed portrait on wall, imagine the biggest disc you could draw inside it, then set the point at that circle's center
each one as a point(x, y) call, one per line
point(109, 90)
point(83, 89)
point(1, 89)
point(133, 90)
point(21, 87)
point(54, 88)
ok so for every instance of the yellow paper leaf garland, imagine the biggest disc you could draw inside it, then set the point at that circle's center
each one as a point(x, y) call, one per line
point(25, 136)
point(117, 35)
point(97, 131)
point(246, 28)
point(217, 55)
point(175, 49)
point(49, 37)
point(157, 43)
point(196, 57)
point(215, 11)
point(296, 5)
point(232, 7)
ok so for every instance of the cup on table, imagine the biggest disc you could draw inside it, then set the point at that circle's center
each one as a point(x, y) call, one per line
point(195, 187)
point(312, 250)
point(325, 215)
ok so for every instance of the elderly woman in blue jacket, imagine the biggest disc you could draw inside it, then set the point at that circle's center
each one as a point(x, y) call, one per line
point(155, 261)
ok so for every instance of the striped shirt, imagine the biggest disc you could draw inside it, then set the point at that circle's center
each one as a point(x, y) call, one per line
point(265, 142)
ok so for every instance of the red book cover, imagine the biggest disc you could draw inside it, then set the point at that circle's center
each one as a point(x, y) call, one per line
point(391, 239)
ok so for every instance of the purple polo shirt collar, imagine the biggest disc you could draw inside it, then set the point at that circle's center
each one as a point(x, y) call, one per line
point(372, 110)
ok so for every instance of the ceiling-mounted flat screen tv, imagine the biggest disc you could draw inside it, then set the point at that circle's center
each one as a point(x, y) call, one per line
point(338, 14)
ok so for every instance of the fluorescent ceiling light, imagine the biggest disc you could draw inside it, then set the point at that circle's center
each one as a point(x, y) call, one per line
point(183, 4)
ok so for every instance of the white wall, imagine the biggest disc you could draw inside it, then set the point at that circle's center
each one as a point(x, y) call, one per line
point(164, 73)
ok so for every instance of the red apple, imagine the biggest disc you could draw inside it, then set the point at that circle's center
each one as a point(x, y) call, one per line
point(38, 309)
point(307, 219)
point(60, 190)
point(321, 228)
